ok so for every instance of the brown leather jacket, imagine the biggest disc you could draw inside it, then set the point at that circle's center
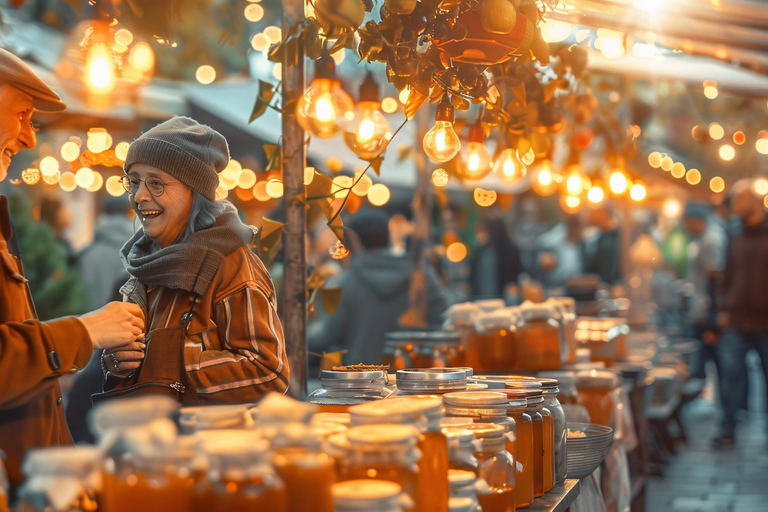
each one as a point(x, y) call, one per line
point(33, 355)
point(234, 350)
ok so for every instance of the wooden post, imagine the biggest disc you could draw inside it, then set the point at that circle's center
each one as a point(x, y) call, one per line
point(294, 240)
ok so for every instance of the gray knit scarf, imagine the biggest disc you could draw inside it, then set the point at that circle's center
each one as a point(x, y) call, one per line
point(190, 265)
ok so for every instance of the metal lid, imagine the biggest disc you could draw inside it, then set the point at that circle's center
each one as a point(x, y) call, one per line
point(475, 399)
point(461, 475)
point(450, 422)
point(364, 490)
point(431, 374)
point(336, 375)
point(466, 369)
point(459, 434)
point(493, 381)
point(407, 405)
point(528, 383)
point(426, 336)
point(342, 418)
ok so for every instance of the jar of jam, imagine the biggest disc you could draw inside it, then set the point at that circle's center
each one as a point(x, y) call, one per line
point(483, 407)
point(380, 452)
point(62, 479)
point(366, 496)
point(496, 466)
point(460, 449)
point(424, 413)
point(239, 475)
point(340, 390)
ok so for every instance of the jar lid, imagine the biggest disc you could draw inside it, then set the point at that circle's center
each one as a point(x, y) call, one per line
point(527, 383)
point(121, 414)
point(597, 379)
point(477, 386)
point(214, 417)
point(232, 442)
point(475, 399)
point(400, 405)
point(493, 381)
point(457, 504)
point(332, 375)
point(458, 434)
point(452, 422)
point(486, 431)
point(431, 375)
point(326, 429)
point(359, 494)
point(79, 460)
point(516, 393)
point(382, 434)
point(278, 408)
point(501, 319)
point(461, 475)
point(426, 336)
point(462, 314)
point(563, 377)
point(490, 304)
point(466, 369)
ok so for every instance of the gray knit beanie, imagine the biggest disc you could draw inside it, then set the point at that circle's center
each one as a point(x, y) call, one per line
point(192, 153)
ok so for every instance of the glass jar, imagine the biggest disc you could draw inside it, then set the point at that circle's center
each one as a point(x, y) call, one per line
point(538, 338)
point(340, 390)
point(463, 505)
point(424, 413)
point(491, 344)
point(465, 484)
point(62, 479)
point(430, 381)
point(595, 393)
point(112, 418)
point(239, 475)
point(551, 390)
point(366, 496)
point(567, 306)
point(460, 449)
point(380, 452)
point(518, 410)
point(543, 448)
point(150, 480)
point(483, 407)
point(214, 417)
point(496, 466)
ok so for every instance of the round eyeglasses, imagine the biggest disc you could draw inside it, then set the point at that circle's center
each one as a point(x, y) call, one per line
point(155, 186)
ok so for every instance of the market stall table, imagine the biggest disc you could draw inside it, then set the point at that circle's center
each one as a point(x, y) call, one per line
point(558, 499)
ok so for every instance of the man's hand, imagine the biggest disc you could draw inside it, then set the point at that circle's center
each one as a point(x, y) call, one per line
point(128, 357)
point(115, 325)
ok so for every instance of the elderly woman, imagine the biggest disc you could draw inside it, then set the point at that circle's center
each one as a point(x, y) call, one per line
point(213, 335)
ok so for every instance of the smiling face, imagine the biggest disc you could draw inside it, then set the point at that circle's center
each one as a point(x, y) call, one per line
point(16, 131)
point(165, 217)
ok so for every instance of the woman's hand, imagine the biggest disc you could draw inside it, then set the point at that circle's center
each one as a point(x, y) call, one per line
point(114, 325)
point(126, 357)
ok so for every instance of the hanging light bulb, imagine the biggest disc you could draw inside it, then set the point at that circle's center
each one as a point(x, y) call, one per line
point(596, 194)
point(441, 143)
point(476, 160)
point(325, 108)
point(508, 167)
point(544, 180)
point(575, 181)
point(99, 71)
point(617, 181)
point(369, 134)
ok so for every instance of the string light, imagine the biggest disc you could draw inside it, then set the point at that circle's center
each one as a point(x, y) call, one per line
point(543, 180)
point(325, 108)
point(727, 152)
point(717, 184)
point(439, 178)
point(667, 163)
point(84, 177)
point(121, 150)
point(68, 182)
point(476, 160)
point(98, 181)
point(247, 179)
point(254, 12)
point(678, 170)
point(368, 135)
point(595, 194)
point(260, 191)
point(378, 194)
point(637, 192)
point(99, 72)
point(508, 167)
point(389, 105)
point(693, 176)
point(654, 159)
point(142, 57)
point(114, 187)
point(441, 143)
point(70, 151)
point(49, 166)
point(617, 181)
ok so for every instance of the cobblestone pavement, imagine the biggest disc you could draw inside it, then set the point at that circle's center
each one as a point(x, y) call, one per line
point(701, 479)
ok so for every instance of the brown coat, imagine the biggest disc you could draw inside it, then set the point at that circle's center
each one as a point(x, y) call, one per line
point(33, 355)
point(234, 350)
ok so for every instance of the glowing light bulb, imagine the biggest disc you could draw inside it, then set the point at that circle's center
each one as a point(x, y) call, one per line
point(324, 108)
point(693, 176)
point(727, 152)
point(99, 72)
point(637, 192)
point(441, 143)
point(618, 182)
point(575, 181)
point(477, 161)
point(667, 163)
point(369, 132)
point(544, 181)
point(142, 57)
point(545, 178)
point(508, 167)
point(70, 151)
point(595, 194)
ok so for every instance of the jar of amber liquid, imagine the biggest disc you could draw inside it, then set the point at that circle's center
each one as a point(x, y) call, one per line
point(308, 474)
point(366, 496)
point(465, 484)
point(551, 389)
point(483, 407)
point(538, 338)
point(239, 476)
point(543, 448)
point(424, 413)
point(62, 479)
point(518, 410)
point(149, 480)
point(379, 452)
point(496, 466)
point(595, 389)
point(490, 345)
point(340, 390)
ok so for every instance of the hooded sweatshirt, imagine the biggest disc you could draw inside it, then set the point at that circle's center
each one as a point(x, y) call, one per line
point(375, 293)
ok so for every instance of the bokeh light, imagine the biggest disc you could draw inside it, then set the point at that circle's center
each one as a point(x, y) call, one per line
point(678, 170)
point(260, 42)
point(739, 138)
point(638, 192)
point(205, 74)
point(247, 179)
point(68, 182)
point(654, 159)
point(70, 151)
point(114, 187)
point(618, 182)
point(274, 189)
point(389, 105)
point(275, 34)
point(84, 177)
point(727, 152)
point(362, 184)
point(761, 186)
point(595, 194)
point(121, 150)
point(49, 166)
point(667, 163)
point(378, 194)
point(717, 184)
point(98, 181)
point(762, 146)
point(439, 178)
point(456, 252)
point(254, 12)
point(693, 176)
point(716, 131)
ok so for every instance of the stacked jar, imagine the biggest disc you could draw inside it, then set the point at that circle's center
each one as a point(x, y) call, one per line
point(239, 476)
point(496, 466)
point(539, 338)
point(460, 448)
point(551, 382)
point(595, 392)
point(543, 432)
point(341, 389)
point(466, 484)
point(215, 417)
point(380, 452)
point(424, 413)
point(422, 349)
point(483, 407)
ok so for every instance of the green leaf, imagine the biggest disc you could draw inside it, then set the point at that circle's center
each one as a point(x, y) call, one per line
point(266, 92)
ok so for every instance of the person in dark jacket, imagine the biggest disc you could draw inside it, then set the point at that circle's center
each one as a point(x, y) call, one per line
point(743, 304)
point(34, 354)
point(606, 258)
point(375, 294)
point(496, 263)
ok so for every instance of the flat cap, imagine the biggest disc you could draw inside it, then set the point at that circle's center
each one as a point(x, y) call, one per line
point(15, 72)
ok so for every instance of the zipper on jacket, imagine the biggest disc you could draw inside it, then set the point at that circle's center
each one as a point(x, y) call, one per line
point(176, 386)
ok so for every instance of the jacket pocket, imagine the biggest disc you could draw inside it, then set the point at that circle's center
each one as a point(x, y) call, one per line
point(10, 266)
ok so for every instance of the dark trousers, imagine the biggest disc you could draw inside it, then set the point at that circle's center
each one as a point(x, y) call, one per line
point(705, 353)
point(732, 352)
